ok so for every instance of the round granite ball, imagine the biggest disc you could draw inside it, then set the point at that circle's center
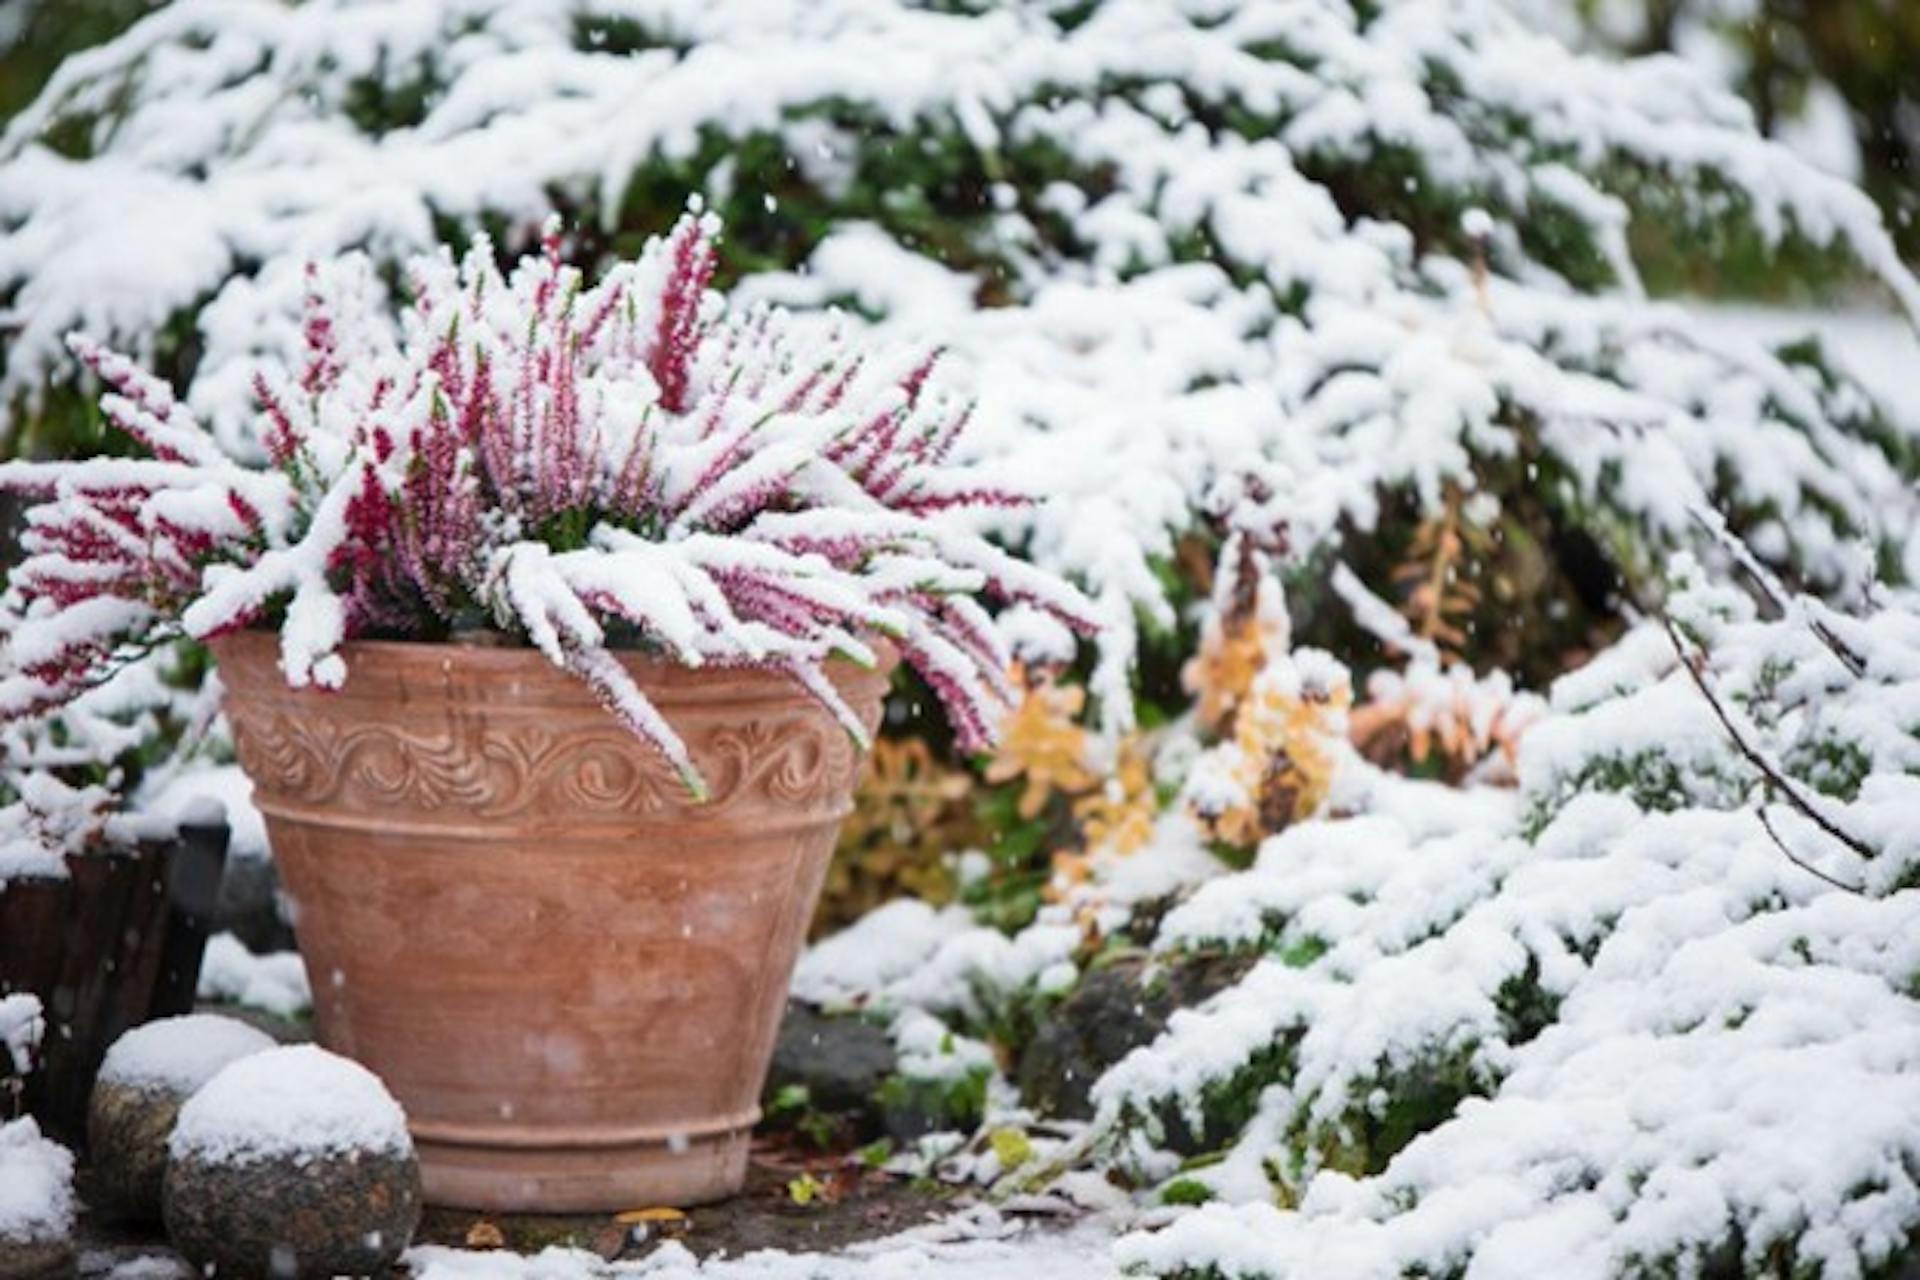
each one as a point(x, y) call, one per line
point(36, 1259)
point(36, 1205)
point(292, 1163)
point(147, 1076)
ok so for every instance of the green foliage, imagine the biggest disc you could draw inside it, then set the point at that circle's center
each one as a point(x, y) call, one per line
point(50, 32)
point(1011, 894)
point(1649, 777)
point(1406, 1100)
point(1700, 237)
point(1225, 1104)
point(1186, 1191)
point(1302, 952)
point(1781, 52)
point(66, 422)
point(955, 1103)
point(1526, 1008)
point(381, 101)
point(1011, 1146)
point(619, 34)
point(1831, 764)
point(792, 1110)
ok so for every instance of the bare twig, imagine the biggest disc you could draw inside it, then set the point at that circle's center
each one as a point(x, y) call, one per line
point(1776, 778)
point(1790, 606)
point(1766, 824)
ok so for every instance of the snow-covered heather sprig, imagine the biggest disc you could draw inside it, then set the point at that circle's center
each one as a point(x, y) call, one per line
point(586, 467)
point(48, 821)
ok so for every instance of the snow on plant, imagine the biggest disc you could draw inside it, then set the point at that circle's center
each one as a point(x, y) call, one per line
point(1655, 1020)
point(586, 467)
point(1646, 1043)
point(1277, 765)
point(1677, 1024)
point(1810, 718)
point(1225, 239)
point(47, 822)
point(1434, 706)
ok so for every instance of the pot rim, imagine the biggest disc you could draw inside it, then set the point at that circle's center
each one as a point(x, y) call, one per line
point(376, 667)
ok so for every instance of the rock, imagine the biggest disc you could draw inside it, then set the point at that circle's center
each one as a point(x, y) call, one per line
point(1114, 1010)
point(36, 1204)
point(840, 1062)
point(292, 1163)
point(250, 905)
point(348, 1214)
point(36, 1259)
point(146, 1077)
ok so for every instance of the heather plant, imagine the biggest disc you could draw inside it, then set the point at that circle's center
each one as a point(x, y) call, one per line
point(587, 468)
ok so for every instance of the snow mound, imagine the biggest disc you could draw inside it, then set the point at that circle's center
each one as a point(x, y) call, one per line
point(213, 794)
point(36, 1184)
point(296, 1102)
point(22, 1023)
point(275, 983)
point(182, 1053)
point(27, 860)
point(884, 947)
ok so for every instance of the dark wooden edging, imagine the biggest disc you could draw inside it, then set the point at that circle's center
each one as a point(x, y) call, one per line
point(116, 943)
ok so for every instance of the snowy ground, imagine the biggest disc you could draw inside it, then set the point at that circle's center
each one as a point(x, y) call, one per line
point(1080, 1253)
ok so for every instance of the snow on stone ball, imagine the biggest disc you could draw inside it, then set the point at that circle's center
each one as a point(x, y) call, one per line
point(296, 1101)
point(181, 1053)
point(147, 1076)
point(36, 1202)
point(292, 1162)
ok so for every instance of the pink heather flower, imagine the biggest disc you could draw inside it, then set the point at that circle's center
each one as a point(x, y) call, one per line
point(553, 457)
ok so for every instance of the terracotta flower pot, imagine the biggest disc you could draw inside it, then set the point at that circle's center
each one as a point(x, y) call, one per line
point(568, 972)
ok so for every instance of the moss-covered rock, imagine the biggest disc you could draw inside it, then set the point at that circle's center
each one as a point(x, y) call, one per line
point(1115, 1009)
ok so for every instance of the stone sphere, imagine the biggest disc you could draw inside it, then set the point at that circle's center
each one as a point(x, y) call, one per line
point(36, 1205)
point(147, 1075)
point(292, 1163)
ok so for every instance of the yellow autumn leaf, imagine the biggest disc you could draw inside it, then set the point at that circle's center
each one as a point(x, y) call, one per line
point(1283, 762)
point(1011, 1146)
point(634, 1217)
point(1119, 816)
point(1041, 744)
point(485, 1235)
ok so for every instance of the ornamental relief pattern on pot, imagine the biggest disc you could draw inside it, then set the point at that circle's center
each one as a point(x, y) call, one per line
point(502, 772)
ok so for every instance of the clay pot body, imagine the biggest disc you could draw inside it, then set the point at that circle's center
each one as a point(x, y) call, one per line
point(568, 972)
